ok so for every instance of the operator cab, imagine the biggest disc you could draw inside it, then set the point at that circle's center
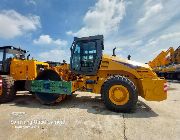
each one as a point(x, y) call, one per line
point(7, 53)
point(86, 54)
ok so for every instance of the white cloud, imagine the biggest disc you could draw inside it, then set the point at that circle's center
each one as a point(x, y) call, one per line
point(47, 40)
point(152, 26)
point(104, 18)
point(170, 36)
point(150, 12)
point(155, 15)
point(56, 55)
point(154, 46)
point(137, 43)
point(164, 39)
point(70, 33)
point(14, 24)
point(158, 52)
point(139, 28)
point(31, 2)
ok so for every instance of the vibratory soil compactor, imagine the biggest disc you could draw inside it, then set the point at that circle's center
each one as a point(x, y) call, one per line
point(119, 81)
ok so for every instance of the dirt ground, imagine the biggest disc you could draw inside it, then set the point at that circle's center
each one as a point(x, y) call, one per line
point(84, 116)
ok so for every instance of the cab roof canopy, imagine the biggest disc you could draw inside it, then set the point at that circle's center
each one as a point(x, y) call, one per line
point(12, 50)
point(96, 37)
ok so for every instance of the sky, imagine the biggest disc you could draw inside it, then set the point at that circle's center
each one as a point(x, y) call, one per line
point(46, 28)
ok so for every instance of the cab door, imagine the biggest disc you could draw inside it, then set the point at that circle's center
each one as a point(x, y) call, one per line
point(86, 54)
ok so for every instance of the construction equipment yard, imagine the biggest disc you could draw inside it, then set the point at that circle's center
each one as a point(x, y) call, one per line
point(84, 116)
point(90, 70)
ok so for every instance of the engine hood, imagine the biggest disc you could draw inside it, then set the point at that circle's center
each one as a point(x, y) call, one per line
point(129, 63)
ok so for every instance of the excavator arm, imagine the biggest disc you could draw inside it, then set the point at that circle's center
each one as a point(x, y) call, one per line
point(161, 59)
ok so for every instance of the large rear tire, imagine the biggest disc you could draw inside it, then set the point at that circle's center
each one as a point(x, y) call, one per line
point(8, 89)
point(119, 94)
point(49, 98)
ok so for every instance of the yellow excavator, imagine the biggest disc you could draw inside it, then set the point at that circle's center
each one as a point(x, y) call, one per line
point(119, 81)
point(167, 64)
point(161, 59)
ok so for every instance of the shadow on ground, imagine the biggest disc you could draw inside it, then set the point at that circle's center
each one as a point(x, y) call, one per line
point(170, 88)
point(173, 81)
point(93, 104)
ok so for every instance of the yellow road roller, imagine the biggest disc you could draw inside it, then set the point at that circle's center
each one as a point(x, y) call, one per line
point(119, 81)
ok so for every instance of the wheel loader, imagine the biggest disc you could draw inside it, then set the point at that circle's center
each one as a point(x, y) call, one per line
point(16, 71)
point(119, 81)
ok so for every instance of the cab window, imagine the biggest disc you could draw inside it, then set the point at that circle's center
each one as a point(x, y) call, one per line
point(88, 54)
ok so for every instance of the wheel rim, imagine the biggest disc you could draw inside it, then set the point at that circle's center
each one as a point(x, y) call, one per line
point(119, 94)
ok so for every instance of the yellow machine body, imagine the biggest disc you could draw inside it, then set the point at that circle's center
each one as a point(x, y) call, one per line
point(148, 84)
point(119, 81)
point(26, 69)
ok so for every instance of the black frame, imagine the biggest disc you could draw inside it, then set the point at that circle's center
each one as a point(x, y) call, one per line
point(98, 39)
